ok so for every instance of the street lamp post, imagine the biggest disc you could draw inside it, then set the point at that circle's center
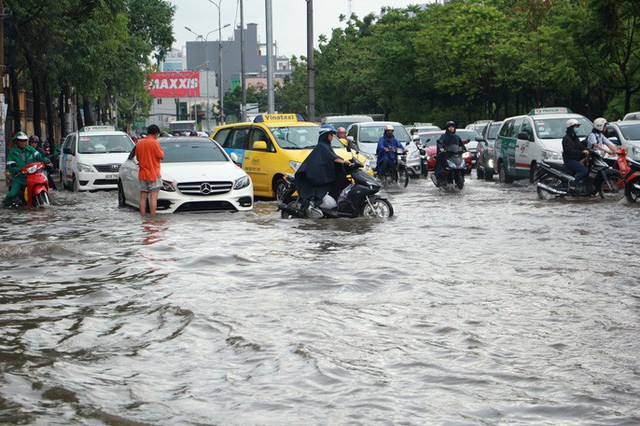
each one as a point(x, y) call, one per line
point(220, 80)
point(206, 62)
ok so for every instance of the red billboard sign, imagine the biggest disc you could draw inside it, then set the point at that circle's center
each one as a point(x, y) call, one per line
point(174, 84)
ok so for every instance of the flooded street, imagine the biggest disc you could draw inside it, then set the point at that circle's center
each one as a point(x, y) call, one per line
point(483, 307)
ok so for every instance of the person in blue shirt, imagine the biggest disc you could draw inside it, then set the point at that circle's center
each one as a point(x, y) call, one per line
point(386, 151)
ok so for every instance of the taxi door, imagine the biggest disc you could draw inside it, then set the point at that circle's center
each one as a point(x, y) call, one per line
point(67, 157)
point(524, 148)
point(235, 141)
point(259, 161)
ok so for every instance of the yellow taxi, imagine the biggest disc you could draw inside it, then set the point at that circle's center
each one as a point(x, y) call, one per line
point(272, 146)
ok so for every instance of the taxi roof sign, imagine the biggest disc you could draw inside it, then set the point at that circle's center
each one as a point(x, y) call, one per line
point(277, 117)
point(98, 129)
point(551, 110)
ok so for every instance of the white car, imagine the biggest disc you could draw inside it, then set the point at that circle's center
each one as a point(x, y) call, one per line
point(90, 159)
point(627, 134)
point(197, 175)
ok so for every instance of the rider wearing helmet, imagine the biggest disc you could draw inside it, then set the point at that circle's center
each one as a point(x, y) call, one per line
point(322, 171)
point(385, 151)
point(448, 139)
point(19, 156)
point(573, 152)
point(597, 140)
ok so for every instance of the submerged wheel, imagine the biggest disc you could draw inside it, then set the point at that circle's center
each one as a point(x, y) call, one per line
point(403, 178)
point(479, 173)
point(502, 174)
point(632, 190)
point(41, 200)
point(122, 201)
point(378, 209)
point(488, 176)
point(75, 185)
point(551, 181)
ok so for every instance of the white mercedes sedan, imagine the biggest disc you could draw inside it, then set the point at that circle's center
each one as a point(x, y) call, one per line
point(197, 176)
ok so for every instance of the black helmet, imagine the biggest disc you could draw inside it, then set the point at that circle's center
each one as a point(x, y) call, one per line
point(450, 123)
point(34, 138)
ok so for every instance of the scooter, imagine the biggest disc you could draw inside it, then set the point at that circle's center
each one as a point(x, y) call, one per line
point(454, 168)
point(424, 168)
point(358, 199)
point(36, 193)
point(632, 182)
point(398, 174)
point(553, 178)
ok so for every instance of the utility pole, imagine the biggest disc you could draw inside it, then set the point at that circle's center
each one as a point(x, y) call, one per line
point(311, 85)
point(243, 107)
point(269, 21)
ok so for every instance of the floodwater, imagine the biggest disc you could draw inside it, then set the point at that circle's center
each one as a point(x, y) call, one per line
point(481, 307)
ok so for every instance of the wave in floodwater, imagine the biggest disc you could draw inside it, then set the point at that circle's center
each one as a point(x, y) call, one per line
point(477, 307)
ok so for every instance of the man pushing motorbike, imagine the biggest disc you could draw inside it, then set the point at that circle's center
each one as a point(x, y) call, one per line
point(19, 156)
point(323, 171)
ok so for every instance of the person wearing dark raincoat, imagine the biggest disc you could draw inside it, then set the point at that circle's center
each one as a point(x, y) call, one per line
point(386, 151)
point(19, 156)
point(448, 139)
point(322, 171)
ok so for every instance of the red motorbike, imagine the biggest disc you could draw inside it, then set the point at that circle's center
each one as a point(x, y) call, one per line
point(632, 181)
point(36, 193)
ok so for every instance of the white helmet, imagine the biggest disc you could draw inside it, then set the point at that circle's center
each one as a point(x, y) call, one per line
point(600, 123)
point(572, 122)
point(388, 127)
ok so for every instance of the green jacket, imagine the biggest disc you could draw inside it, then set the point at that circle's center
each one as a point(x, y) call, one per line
point(18, 158)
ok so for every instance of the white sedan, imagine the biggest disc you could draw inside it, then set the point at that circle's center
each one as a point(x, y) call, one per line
point(197, 175)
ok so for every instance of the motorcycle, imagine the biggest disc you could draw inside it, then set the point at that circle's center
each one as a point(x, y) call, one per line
point(398, 174)
point(553, 178)
point(454, 168)
point(632, 182)
point(36, 193)
point(424, 168)
point(359, 199)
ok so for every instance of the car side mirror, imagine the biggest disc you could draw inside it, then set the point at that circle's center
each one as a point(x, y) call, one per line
point(234, 157)
point(260, 146)
point(524, 135)
point(479, 138)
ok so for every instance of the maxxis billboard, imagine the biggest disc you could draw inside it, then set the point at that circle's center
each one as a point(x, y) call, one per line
point(174, 84)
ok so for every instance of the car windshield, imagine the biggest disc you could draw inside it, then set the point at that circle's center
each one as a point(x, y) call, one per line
point(104, 144)
point(493, 130)
point(468, 135)
point(372, 134)
point(430, 139)
point(300, 137)
point(184, 150)
point(554, 128)
point(630, 132)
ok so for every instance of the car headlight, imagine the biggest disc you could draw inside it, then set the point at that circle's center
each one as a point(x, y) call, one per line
point(635, 151)
point(295, 165)
point(466, 154)
point(368, 156)
point(168, 186)
point(242, 182)
point(367, 166)
point(551, 155)
point(84, 168)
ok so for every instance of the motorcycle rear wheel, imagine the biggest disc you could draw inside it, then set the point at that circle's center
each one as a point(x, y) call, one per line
point(403, 178)
point(631, 191)
point(378, 208)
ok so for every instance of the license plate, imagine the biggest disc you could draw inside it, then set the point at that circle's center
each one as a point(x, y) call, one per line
point(111, 177)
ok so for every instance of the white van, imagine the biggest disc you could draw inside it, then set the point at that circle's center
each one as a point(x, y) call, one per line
point(525, 140)
point(90, 159)
point(346, 120)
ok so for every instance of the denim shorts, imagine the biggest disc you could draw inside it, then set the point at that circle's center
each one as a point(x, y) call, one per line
point(151, 185)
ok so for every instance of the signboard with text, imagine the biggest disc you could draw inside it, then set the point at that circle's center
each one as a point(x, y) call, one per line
point(174, 84)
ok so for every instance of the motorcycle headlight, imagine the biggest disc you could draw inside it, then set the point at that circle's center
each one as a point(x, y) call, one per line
point(84, 168)
point(490, 163)
point(466, 154)
point(168, 186)
point(413, 155)
point(295, 165)
point(32, 169)
point(551, 155)
point(242, 182)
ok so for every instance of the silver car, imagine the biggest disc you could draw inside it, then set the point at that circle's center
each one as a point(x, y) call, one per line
point(367, 135)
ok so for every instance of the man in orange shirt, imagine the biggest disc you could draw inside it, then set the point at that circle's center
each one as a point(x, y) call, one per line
point(149, 155)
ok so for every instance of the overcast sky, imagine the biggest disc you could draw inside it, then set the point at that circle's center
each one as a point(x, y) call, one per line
point(289, 19)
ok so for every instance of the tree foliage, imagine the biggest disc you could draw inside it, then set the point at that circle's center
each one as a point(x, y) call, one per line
point(474, 59)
